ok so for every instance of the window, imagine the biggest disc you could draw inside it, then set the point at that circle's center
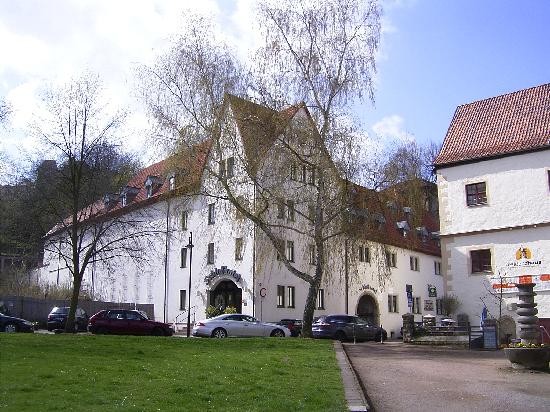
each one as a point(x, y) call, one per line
point(239, 248)
point(290, 250)
point(184, 218)
point(392, 304)
point(321, 299)
point(311, 214)
point(311, 179)
point(416, 305)
point(311, 254)
point(437, 268)
point(280, 210)
point(391, 259)
point(210, 255)
point(290, 210)
point(291, 295)
point(476, 194)
point(414, 263)
point(222, 168)
point(183, 261)
point(303, 174)
point(211, 214)
point(230, 167)
point(280, 245)
point(280, 296)
point(481, 260)
point(439, 306)
point(172, 182)
point(183, 299)
point(293, 171)
point(364, 254)
point(149, 191)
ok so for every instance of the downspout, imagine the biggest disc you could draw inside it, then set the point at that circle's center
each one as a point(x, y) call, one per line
point(346, 274)
point(167, 245)
point(254, 259)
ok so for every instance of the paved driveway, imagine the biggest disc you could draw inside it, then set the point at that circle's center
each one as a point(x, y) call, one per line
point(400, 377)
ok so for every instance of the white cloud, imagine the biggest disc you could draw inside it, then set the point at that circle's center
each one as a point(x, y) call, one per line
point(391, 129)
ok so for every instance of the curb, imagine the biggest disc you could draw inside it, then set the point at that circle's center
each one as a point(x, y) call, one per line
point(353, 391)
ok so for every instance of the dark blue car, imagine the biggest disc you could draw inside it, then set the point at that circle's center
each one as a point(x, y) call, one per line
point(347, 327)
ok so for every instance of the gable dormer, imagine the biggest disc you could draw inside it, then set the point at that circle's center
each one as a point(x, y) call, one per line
point(152, 185)
point(128, 194)
point(110, 200)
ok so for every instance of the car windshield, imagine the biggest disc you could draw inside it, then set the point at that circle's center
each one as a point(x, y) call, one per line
point(60, 310)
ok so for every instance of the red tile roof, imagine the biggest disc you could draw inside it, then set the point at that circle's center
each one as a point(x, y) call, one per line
point(502, 125)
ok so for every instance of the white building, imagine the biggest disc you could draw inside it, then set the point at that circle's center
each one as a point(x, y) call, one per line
point(233, 262)
point(493, 176)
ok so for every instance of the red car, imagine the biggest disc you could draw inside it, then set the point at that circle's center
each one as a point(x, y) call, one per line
point(127, 322)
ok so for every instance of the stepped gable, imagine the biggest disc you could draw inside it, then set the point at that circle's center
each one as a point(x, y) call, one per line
point(503, 125)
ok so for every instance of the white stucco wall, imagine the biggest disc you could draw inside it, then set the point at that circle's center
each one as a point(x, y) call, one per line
point(517, 214)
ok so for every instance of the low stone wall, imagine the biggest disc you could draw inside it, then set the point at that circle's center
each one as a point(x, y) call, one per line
point(460, 340)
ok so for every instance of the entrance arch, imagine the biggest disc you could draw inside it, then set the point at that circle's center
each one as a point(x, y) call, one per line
point(367, 308)
point(226, 293)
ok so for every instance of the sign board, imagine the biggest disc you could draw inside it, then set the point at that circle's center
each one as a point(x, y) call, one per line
point(409, 290)
point(432, 291)
point(490, 337)
point(428, 305)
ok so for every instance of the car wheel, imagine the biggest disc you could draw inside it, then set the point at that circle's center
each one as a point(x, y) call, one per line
point(340, 335)
point(157, 332)
point(278, 333)
point(219, 333)
point(10, 328)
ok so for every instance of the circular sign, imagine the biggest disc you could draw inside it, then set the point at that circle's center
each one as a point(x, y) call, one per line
point(263, 292)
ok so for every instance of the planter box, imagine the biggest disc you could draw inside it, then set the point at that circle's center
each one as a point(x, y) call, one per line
point(528, 358)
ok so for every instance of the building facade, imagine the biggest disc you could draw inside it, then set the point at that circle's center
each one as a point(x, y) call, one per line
point(493, 177)
point(234, 263)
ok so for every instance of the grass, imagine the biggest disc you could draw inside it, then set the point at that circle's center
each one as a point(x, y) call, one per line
point(42, 372)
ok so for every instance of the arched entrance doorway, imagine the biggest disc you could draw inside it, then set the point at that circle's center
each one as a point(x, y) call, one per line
point(367, 308)
point(226, 293)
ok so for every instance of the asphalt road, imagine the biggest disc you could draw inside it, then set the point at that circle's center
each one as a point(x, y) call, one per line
point(399, 377)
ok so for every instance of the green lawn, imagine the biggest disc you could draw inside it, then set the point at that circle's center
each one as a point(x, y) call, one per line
point(41, 372)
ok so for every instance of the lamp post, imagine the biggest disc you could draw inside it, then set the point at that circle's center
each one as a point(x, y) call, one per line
point(190, 247)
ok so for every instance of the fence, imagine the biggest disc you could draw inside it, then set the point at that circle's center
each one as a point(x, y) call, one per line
point(475, 337)
point(37, 310)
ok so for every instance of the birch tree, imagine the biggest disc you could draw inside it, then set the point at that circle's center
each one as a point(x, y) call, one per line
point(321, 56)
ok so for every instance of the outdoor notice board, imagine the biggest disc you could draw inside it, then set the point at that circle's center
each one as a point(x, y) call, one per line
point(490, 337)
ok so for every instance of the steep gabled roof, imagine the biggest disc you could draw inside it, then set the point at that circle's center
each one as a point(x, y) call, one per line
point(503, 125)
point(259, 126)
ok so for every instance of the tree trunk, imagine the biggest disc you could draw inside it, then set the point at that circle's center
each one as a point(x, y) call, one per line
point(309, 310)
point(70, 325)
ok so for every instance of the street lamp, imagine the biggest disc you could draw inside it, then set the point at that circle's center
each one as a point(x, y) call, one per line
point(190, 247)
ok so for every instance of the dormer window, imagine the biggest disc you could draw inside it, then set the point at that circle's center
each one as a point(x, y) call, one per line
point(404, 227)
point(110, 200)
point(172, 182)
point(152, 184)
point(128, 194)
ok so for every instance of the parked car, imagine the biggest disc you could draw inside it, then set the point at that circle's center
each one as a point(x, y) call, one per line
point(58, 318)
point(346, 327)
point(10, 324)
point(127, 322)
point(237, 324)
point(294, 325)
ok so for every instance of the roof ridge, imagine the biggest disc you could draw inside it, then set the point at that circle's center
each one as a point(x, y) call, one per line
point(503, 95)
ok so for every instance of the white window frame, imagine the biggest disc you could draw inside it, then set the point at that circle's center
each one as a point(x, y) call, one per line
point(414, 263)
point(290, 250)
point(210, 254)
point(280, 296)
point(184, 219)
point(211, 213)
point(183, 257)
point(320, 304)
point(239, 248)
point(291, 296)
point(183, 299)
point(393, 304)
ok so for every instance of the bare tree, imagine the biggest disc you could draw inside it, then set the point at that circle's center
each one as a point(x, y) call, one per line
point(5, 111)
point(79, 132)
point(320, 54)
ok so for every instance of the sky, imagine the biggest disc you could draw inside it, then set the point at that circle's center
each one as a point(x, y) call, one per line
point(434, 55)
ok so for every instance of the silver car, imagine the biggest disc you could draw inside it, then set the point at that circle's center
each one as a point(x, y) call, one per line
point(237, 325)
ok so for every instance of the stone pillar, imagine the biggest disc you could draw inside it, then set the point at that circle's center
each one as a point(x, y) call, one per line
point(528, 323)
point(408, 327)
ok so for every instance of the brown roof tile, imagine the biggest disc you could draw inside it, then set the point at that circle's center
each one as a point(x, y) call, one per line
point(501, 125)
